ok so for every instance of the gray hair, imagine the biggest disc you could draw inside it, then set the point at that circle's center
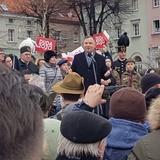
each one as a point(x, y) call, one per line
point(71, 149)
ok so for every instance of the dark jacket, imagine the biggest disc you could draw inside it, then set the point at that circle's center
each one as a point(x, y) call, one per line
point(59, 157)
point(120, 66)
point(29, 66)
point(147, 148)
point(80, 66)
point(122, 138)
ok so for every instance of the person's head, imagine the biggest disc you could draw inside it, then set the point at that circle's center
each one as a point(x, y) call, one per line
point(25, 54)
point(40, 62)
point(151, 70)
point(150, 80)
point(89, 44)
point(122, 54)
point(83, 132)
point(27, 74)
point(128, 104)
point(108, 62)
point(150, 95)
point(154, 114)
point(8, 61)
point(130, 64)
point(63, 65)
point(1, 55)
point(50, 57)
point(21, 135)
point(73, 84)
point(123, 42)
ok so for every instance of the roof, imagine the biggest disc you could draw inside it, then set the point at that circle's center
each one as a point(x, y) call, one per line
point(20, 7)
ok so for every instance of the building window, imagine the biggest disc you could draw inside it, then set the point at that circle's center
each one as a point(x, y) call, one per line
point(76, 37)
point(29, 34)
point(136, 29)
point(57, 35)
point(155, 3)
point(11, 35)
point(135, 5)
point(156, 26)
point(29, 23)
point(10, 20)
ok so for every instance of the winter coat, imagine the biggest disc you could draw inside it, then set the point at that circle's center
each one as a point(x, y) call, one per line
point(29, 66)
point(136, 80)
point(120, 66)
point(147, 148)
point(51, 75)
point(122, 138)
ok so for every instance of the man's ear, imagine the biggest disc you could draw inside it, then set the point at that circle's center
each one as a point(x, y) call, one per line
point(81, 95)
point(101, 148)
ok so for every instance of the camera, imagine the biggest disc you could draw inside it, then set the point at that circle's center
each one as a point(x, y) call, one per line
point(109, 90)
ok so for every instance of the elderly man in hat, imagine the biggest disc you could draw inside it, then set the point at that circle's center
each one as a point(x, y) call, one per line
point(82, 136)
point(25, 60)
point(130, 77)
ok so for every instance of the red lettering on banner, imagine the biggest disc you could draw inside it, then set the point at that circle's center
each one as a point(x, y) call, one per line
point(44, 44)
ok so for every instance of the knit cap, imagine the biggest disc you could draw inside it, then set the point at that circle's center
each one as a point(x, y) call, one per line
point(128, 104)
point(149, 80)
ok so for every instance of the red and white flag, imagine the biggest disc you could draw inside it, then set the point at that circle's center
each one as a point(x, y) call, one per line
point(101, 39)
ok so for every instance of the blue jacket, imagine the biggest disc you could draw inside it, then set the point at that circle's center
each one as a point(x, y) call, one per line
point(122, 138)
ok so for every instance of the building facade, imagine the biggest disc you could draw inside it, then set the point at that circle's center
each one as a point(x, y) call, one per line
point(16, 27)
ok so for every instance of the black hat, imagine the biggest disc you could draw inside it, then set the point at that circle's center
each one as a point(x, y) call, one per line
point(123, 42)
point(149, 80)
point(150, 95)
point(25, 49)
point(84, 127)
point(48, 54)
point(62, 61)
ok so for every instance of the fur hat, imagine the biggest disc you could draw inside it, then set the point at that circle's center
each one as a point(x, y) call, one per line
point(150, 95)
point(48, 54)
point(123, 42)
point(73, 83)
point(84, 127)
point(149, 80)
point(62, 61)
point(25, 49)
point(129, 104)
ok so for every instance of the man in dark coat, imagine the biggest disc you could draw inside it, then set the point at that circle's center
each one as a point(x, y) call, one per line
point(90, 64)
point(25, 60)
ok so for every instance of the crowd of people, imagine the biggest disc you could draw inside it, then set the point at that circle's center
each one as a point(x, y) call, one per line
point(54, 110)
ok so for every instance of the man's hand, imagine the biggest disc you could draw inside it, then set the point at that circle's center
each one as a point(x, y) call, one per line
point(93, 96)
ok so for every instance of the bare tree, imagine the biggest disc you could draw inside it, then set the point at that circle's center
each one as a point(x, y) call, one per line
point(93, 13)
point(43, 10)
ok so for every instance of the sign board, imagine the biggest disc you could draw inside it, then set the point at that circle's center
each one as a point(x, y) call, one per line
point(78, 50)
point(44, 44)
point(101, 39)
